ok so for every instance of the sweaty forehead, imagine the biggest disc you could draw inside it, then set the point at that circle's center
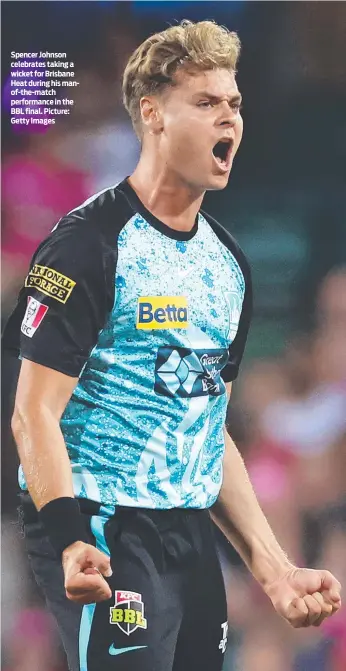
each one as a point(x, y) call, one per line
point(217, 82)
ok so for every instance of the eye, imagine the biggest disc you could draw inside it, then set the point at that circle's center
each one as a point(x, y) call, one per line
point(236, 107)
point(205, 103)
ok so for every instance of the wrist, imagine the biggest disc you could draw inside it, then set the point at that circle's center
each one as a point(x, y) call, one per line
point(64, 523)
point(270, 565)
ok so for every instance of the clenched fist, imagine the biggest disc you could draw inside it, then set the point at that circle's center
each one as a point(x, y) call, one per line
point(305, 597)
point(84, 567)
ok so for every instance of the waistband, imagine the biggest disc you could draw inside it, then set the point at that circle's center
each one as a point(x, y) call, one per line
point(89, 507)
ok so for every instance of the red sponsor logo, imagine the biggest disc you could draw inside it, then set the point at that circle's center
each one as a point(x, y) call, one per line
point(33, 317)
point(121, 596)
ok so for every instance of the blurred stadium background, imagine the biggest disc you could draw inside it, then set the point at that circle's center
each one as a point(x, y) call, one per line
point(286, 205)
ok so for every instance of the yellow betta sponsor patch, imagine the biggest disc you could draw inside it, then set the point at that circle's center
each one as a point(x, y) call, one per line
point(162, 312)
point(50, 282)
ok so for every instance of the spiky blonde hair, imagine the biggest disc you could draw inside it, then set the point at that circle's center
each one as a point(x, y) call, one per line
point(195, 46)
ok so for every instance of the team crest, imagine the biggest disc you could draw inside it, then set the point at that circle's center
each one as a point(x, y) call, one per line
point(128, 612)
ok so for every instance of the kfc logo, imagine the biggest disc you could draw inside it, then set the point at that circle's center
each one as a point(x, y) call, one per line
point(33, 317)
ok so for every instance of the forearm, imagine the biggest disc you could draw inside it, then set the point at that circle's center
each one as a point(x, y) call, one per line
point(43, 455)
point(239, 515)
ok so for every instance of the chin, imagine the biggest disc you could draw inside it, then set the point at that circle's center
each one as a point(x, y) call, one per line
point(212, 183)
point(218, 182)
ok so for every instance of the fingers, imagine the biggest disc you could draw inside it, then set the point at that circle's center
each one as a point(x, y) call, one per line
point(314, 608)
point(87, 588)
point(85, 569)
point(98, 560)
point(334, 602)
point(296, 613)
point(331, 586)
point(306, 597)
point(309, 610)
point(326, 609)
point(87, 556)
point(102, 562)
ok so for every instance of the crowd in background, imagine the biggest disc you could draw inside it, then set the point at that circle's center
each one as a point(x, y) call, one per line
point(291, 411)
point(288, 415)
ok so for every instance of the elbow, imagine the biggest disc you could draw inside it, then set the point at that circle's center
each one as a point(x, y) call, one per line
point(24, 415)
point(17, 422)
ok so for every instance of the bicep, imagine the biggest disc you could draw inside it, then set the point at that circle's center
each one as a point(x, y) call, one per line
point(42, 387)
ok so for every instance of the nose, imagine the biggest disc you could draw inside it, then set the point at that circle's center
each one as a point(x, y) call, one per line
point(227, 116)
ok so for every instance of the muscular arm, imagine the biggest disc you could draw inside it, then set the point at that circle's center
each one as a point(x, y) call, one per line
point(42, 395)
point(239, 515)
point(303, 597)
point(55, 333)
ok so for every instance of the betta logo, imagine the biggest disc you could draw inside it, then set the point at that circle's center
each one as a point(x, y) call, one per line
point(162, 312)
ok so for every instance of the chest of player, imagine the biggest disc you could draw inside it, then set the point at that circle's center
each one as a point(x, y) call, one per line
point(165, 287)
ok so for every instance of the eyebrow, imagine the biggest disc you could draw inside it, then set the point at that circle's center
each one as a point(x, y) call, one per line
point(205, 94)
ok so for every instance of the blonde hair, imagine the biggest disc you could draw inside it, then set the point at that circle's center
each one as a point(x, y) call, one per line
point(194, 46)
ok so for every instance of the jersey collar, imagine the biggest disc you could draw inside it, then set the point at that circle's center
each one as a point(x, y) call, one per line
point(137, 205)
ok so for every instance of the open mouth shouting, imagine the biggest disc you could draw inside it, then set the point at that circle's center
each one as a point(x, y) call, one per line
point(222, 153)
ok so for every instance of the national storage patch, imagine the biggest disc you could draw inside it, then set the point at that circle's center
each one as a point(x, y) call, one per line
point(162, 312)
point(50, 282)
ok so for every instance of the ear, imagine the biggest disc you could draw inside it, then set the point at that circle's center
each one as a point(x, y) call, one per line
point(151, 114)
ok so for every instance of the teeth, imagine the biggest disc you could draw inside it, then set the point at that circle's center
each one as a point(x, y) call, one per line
point(220, 160)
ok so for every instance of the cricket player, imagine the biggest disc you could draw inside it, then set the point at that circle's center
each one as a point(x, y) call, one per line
point(131, 328)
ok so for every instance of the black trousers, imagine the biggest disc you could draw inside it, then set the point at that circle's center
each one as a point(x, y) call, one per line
point(168, 609)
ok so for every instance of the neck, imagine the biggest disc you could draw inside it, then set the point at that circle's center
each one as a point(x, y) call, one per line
point(165, 194)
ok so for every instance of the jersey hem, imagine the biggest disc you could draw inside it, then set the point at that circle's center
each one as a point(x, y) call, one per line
point(42, 361)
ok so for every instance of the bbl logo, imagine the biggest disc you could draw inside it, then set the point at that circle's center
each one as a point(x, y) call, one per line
point(128, 612)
